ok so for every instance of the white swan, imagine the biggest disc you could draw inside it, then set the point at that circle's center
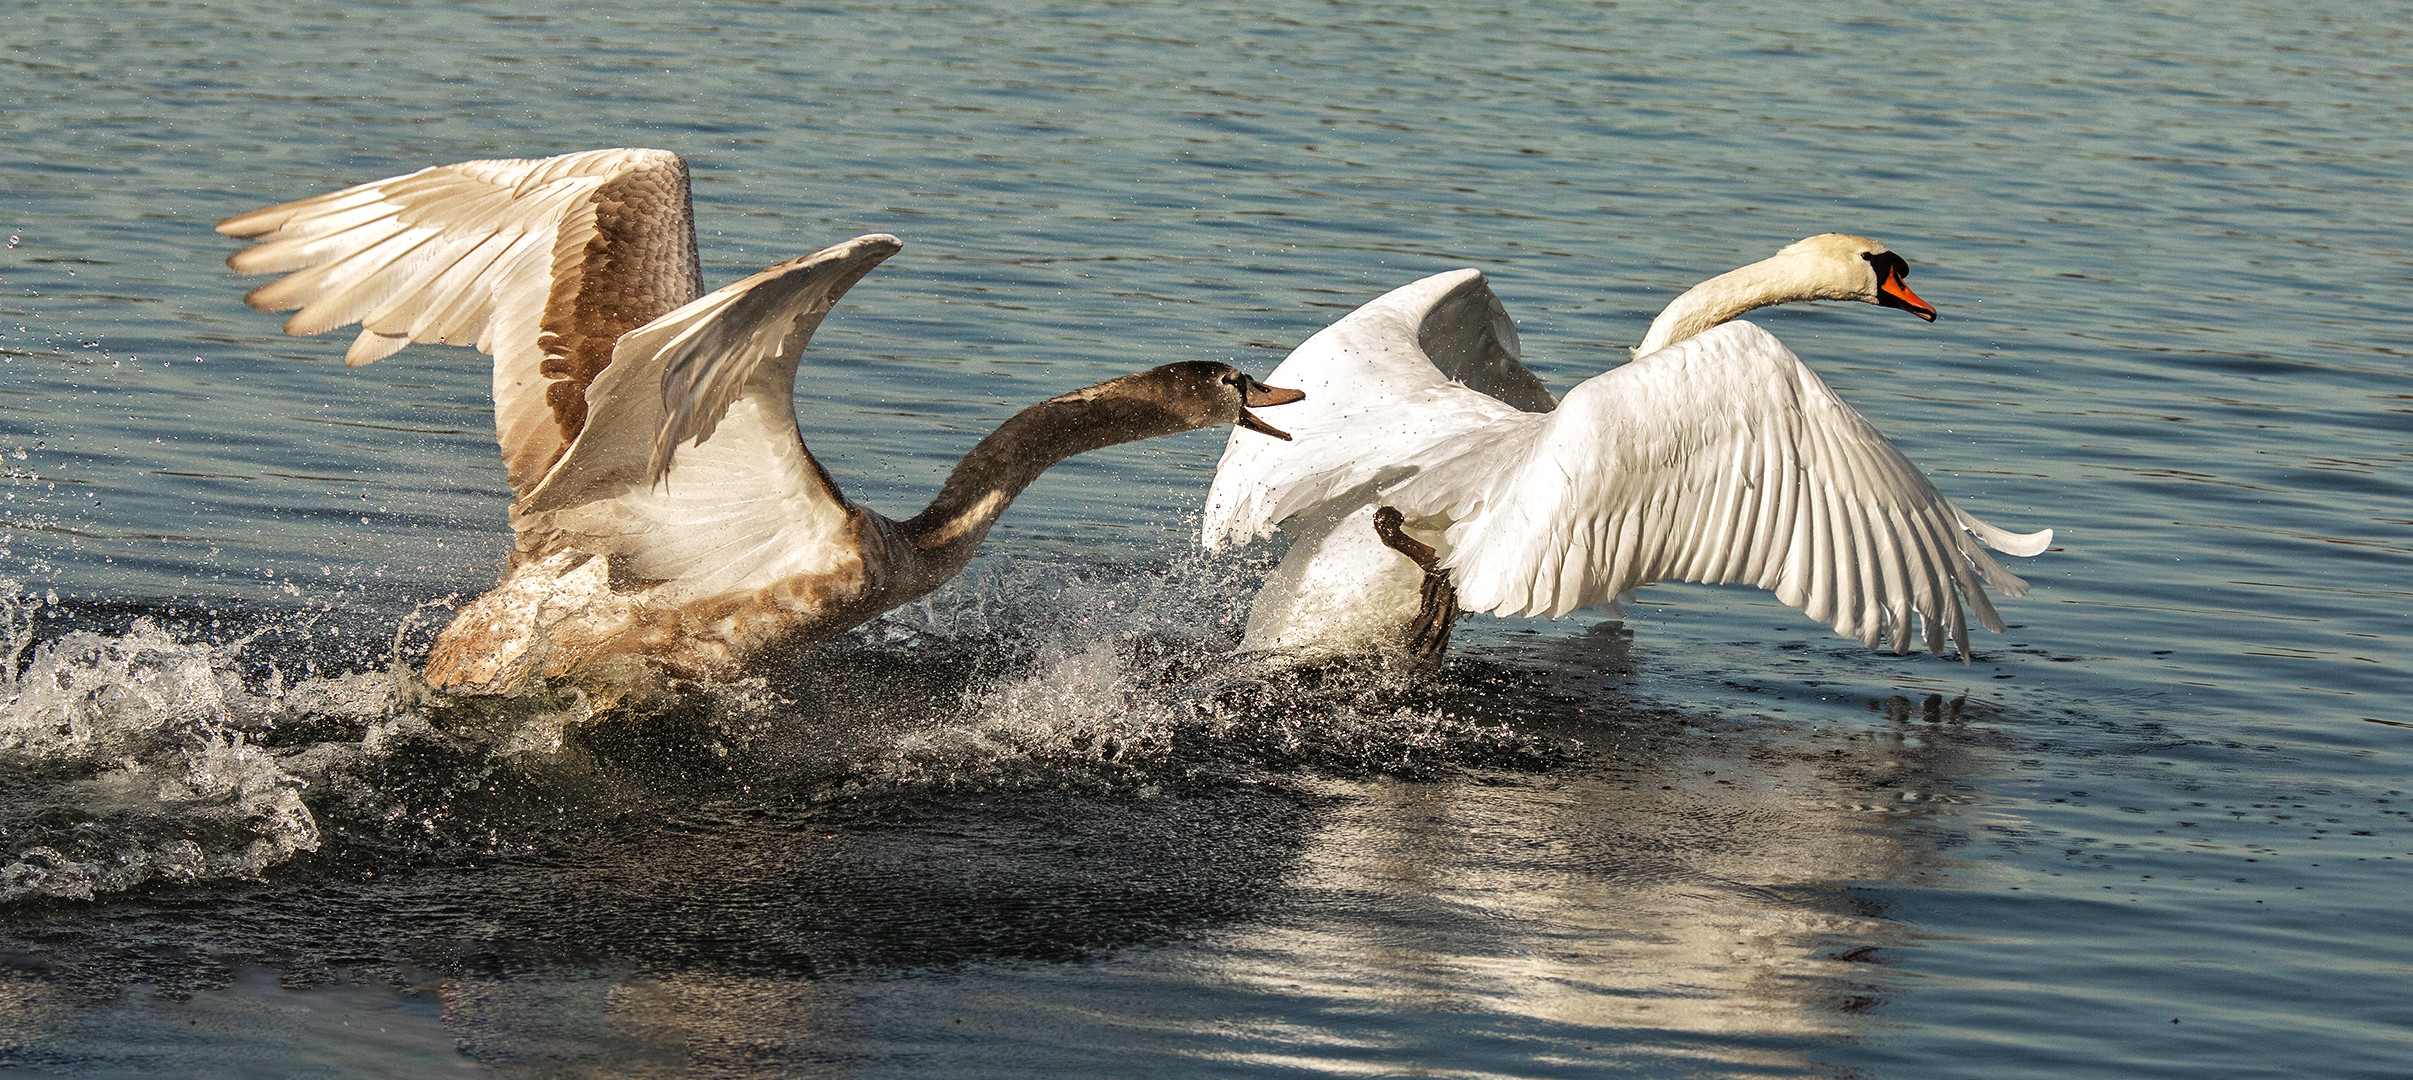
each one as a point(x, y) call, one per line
point(1714, 456)
point(668, 515)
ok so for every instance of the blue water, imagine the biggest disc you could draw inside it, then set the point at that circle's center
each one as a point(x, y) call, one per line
point(1036, 826)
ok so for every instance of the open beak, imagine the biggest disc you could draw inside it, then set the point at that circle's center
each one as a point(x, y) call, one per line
point(1891, 292)
point(1257, 395)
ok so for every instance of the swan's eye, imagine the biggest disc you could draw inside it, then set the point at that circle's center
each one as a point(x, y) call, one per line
point(1885, 264)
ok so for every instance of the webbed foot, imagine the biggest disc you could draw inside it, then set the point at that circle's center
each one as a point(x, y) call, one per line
point(1428, 636)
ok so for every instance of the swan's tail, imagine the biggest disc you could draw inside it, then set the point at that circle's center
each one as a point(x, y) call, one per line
point(2003, 540)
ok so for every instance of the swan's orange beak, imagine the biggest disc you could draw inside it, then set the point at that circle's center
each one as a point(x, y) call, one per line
point(1891, 292)
point(1257, 395)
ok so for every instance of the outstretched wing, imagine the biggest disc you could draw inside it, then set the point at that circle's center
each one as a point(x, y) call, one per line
point(690, 467)
point(542, 263)
point(1722, 458)
point(1409, 370)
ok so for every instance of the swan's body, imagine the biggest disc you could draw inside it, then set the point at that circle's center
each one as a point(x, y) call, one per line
point(1715, 456)
point(667, 511)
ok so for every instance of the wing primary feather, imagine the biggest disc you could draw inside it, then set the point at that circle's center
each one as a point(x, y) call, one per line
point(412, 296)
point(371, 346)
point(1650, 532)
point(1715, 538)
point(1959, 627)
point(296, 289)
point(467, 303)
point(1843, 560)
point(1675, 510)
point(1869, 602)
point(1785, 559)
point(270, 219)
point(294, 249)
point(1596, 551)
point(1857, 567)
point(1838, 562)
point(1742, 530)
point(1938, 602)
point(1784, 511)
point(1751, 515)
point(1893, 582)
point(1619, 530)
point(1967, 571)
point(1821, 604)
point(1661, 514)
point(368, 281)
point(1568, 592)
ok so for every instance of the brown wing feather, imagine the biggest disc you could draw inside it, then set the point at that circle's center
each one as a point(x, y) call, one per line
point(590, 308)
point(543, 263)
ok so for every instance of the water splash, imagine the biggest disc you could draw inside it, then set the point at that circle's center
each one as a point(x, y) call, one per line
point(130, 758)
point(1127, 679)
point(145, 755)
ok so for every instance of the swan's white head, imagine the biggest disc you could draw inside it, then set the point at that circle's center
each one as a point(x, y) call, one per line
point(1829, 266)
point(1840, 266)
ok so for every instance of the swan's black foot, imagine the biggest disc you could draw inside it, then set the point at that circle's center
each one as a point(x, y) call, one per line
point(1428, 636)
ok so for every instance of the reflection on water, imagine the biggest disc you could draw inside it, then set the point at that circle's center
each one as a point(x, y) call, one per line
point(251, 1027)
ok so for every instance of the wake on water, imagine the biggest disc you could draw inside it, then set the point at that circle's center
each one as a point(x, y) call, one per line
point(156, 755)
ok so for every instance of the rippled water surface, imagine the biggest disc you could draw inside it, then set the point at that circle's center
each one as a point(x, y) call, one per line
point(1043, 823)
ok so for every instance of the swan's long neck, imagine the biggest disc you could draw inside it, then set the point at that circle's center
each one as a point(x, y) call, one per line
point(950, 530)
point(1780, 279)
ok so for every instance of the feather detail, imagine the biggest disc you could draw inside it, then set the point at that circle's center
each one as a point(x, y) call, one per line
point(542, 263)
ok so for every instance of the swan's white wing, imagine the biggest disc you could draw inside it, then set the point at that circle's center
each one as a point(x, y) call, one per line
point(1722, 458)
point(1410, 369)
point(714, 381)
point(542, 263)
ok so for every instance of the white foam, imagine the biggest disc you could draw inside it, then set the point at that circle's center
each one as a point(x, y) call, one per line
point(141, 763)
point(1127, 678)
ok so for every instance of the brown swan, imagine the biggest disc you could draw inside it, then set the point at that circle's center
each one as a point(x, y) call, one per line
point(668, 516)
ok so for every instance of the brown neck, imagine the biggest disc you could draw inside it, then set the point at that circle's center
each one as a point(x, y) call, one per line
point(985, 482)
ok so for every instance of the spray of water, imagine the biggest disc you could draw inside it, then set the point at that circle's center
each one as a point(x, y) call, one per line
point(145, 755)
point(1126, 679)
point(131, 760)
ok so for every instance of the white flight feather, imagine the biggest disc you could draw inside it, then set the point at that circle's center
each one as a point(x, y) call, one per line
point(1722, 458)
